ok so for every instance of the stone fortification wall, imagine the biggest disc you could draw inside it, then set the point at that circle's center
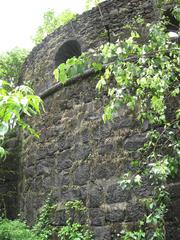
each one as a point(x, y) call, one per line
point(91, 29)
point(80, 157)
point(77, 155)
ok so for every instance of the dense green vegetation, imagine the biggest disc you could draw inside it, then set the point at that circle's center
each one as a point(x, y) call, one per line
point(43, 229)
point(73, 229)
point(15, 230)
point(11, 64)
point(15, 102)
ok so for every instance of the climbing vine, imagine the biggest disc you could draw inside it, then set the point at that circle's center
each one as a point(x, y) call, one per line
point(43, 227)
point(144, 77)
point(73, 229)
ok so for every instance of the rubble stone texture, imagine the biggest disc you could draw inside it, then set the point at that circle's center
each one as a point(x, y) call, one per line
point(78, 156)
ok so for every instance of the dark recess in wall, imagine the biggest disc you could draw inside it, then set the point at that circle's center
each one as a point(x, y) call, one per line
point(68, 50)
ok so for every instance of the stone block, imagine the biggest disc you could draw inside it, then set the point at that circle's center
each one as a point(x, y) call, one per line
point(134, 142)
point(115, 216)
point(81, 174)
point(134, 212)
point(81, 152)
point(123, 123)
point(70, 194)
point(102, 233)
point(97, 217)
point(64, 164)
point(95, 196)
point(62, 178)
point(104, 171)
point(85, 136)
point(43, 170)
point(105, 149)
point(115, 194)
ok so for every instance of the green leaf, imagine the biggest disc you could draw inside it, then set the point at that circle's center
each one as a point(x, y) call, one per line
point(3, 128)
point(2, 152)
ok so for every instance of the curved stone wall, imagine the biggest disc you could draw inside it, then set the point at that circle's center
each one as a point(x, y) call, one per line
point(77, 155)
point(91, 29)
point(80, 157)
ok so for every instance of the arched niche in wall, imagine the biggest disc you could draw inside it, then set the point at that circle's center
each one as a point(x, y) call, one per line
point(67, 50)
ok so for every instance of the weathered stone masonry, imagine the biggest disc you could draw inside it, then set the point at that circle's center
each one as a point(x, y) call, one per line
point(91, 29)
point(9, 176)
point(77, 155)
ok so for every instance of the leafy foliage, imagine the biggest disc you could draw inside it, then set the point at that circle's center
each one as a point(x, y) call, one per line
point(11, 64)
point(15, 101)
point(136, 235)
point(15, 230)
point(73, 67)
point(52, 22)
point(43, 229)
point(145, 79)
point(74, 230)
point(18, 230)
